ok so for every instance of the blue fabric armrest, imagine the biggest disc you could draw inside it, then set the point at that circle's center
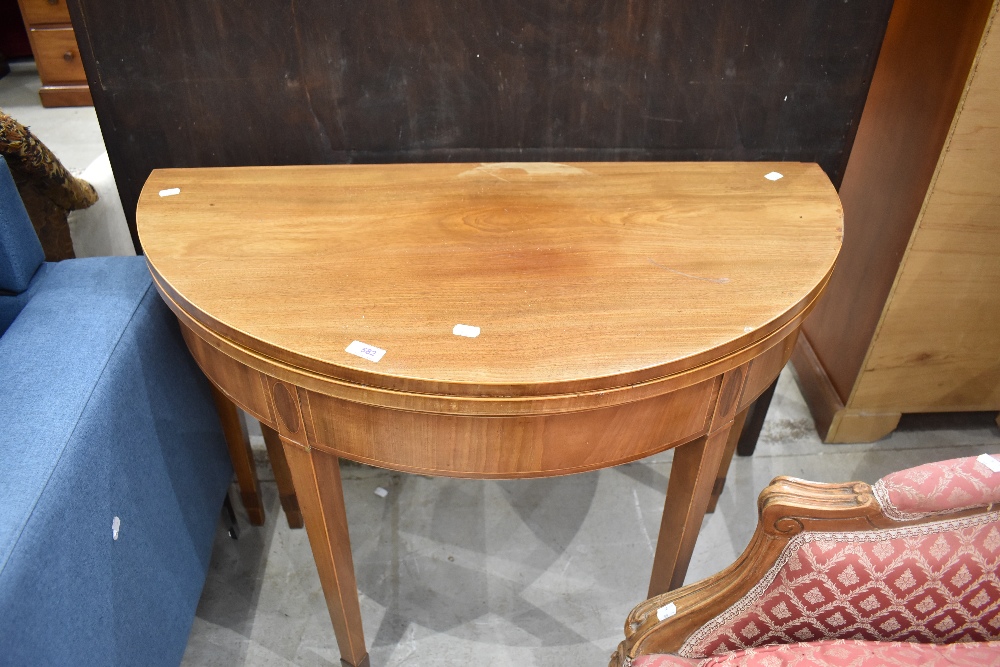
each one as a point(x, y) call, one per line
point(20, 251)
point(107, 416)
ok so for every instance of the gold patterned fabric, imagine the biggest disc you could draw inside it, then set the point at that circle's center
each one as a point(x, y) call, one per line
point(48, 190)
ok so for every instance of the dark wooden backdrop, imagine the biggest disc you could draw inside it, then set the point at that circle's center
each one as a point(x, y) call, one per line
point(241, 82)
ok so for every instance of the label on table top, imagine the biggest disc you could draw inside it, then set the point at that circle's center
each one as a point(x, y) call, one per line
point(466, 330)
point(170, 192)
point(989, 462)
point(365, 351)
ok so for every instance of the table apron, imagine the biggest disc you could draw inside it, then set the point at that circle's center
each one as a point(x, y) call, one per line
point(495, 446)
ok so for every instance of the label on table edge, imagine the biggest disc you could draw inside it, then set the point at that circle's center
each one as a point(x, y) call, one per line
point(365, 351)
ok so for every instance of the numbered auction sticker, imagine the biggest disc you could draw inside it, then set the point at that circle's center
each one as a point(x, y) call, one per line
point(365, 351)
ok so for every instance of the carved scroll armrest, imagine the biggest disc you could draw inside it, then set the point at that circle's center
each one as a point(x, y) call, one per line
point(785, 508)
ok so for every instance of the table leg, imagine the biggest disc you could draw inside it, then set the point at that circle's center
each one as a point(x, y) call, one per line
point(755, 421)
point(692, 475)
point(316, 476)
point(735, 435)
point(282, 476)
point(241, 455)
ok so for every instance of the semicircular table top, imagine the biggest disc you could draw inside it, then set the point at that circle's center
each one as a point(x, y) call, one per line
point(579, 277)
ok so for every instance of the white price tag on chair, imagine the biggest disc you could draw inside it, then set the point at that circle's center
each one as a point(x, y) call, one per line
point(989, 462)
point(666, 611)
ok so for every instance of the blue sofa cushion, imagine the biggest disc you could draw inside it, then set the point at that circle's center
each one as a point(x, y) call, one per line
point(11, 305)
point(106, 415)
point(20, 251)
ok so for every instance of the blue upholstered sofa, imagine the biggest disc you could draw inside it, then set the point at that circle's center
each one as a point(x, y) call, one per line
point(113, 466)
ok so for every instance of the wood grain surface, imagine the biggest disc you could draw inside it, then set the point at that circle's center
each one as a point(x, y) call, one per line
point(937, 346)
point(70, 95)
point(920, 77)
point(582, 277)
point(40, 12)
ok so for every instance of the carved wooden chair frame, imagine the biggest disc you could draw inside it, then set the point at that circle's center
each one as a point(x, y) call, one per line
point(786, 508)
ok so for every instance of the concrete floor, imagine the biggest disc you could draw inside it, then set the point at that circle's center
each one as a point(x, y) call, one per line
point(71, 132)
point(459, 572)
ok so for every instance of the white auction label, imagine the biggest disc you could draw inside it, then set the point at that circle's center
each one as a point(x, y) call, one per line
point(365, 351)
point(170, 192)
point(989, 462)
point(666, 611)
point(466, 330)
point(773, 176)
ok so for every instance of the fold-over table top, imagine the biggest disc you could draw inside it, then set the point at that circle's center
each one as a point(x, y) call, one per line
point(579, 277)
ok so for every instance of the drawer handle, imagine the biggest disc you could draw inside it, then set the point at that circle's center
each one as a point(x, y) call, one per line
point(53, 2)
point(68, 56)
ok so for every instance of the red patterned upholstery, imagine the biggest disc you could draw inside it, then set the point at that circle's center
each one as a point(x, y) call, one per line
point(930, 583)
point(913, 580)
point(843, 653)
point(666, 660)
point(938, 488)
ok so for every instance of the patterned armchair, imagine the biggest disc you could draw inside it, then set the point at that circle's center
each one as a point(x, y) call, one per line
point(902, 572)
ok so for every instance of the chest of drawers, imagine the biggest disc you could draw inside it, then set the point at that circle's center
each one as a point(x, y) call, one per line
point(64, 83)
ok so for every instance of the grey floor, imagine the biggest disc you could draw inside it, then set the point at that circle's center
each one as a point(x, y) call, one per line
point(459, 572)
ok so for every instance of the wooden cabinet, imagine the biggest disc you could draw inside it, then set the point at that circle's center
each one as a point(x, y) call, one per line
point(53, 42)
point(911, 319)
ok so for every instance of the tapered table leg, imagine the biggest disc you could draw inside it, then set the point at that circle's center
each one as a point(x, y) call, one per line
point(692, 476)
point(241, 455)
point(755, 421)
point(735, 435)
point(282, 476)
point(316, 476)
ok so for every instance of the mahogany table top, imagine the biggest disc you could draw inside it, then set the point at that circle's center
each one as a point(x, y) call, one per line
point(580, 277)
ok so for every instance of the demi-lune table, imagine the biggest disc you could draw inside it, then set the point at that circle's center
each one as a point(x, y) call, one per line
point(492, 320)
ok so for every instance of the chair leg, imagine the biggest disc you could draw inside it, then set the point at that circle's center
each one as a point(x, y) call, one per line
point(241, 455)
point(755, 422)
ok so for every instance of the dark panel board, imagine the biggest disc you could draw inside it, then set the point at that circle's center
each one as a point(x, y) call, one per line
point(231, 82)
